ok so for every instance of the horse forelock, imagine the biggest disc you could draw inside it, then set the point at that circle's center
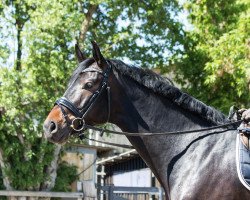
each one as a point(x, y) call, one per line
point(164, 86)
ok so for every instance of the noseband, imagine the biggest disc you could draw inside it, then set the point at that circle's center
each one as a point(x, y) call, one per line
point(78, 123)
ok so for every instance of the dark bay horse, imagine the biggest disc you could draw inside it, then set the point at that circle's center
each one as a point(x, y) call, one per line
point(197, 166)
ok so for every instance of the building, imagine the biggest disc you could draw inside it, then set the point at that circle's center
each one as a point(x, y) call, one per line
point(104, 165)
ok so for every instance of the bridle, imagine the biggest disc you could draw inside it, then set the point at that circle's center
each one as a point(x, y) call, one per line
point(78, 123)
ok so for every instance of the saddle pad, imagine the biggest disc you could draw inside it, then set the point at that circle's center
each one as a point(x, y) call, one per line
point(243, 162)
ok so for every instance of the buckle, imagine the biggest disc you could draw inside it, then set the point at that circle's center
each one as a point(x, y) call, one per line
point(78, 124)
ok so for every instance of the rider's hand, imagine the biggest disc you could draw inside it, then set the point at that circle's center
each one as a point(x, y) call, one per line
point(245, 114)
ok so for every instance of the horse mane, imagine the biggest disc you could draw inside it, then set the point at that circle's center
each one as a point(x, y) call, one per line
point(164, 87)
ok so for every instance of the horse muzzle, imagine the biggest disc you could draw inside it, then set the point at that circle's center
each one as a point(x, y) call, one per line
point(53, 132)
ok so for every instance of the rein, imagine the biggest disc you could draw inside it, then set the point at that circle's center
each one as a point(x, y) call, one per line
point(104, 130)
point(244, 130)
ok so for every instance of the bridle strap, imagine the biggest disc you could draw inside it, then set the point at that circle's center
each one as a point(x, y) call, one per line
point(68, 104)
point(64, 114)
point(109, 103)
point(93, 99)
point(82, 112)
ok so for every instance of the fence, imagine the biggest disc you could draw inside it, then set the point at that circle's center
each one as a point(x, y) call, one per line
point(74, 195)
point(112, 192)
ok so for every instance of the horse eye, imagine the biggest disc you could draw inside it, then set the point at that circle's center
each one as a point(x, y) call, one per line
point(88, 85)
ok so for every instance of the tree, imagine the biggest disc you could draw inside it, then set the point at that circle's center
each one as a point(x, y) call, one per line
point(24, 154)
point(215, 66)
point(45, 33)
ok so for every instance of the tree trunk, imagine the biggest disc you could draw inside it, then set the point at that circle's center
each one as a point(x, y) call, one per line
point(4, 165)
point(86, 22)
point(19, 46)
point(2, 111)
point(52, 170)
point(19, 27)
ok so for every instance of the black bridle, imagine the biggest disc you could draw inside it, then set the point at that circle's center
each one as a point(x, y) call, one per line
point(78, 123)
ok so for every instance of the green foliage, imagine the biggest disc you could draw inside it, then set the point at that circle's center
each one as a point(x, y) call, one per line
point(20, 137)
point(146, 32)
point(43, 34)
point(37, 58)
point(66, 175)
point(215, 66)
point(28, 94)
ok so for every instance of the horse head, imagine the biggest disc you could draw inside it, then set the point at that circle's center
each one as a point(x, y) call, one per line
point(86, 99)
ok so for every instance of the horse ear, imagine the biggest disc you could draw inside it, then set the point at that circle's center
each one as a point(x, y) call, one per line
point(100, 60)
point(79, 54)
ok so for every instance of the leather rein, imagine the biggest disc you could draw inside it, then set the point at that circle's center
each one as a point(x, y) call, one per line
point(78, 123)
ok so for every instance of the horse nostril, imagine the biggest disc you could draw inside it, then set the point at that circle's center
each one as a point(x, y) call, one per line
point(53, 127)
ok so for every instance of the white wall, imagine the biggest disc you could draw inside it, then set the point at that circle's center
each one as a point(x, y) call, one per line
point(138, 178)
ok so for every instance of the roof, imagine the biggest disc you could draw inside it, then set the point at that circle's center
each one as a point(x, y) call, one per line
point(99, 149)
point(118, 158)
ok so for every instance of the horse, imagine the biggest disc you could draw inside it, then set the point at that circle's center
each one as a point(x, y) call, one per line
point(195, 165)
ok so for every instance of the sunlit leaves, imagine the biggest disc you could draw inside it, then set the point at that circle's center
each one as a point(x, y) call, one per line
point(216, 65)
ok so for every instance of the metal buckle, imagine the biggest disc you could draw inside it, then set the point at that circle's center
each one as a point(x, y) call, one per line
point(78, 124)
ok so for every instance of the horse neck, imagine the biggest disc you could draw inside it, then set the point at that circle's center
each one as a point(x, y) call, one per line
point(136, 108)
point(139, 109)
